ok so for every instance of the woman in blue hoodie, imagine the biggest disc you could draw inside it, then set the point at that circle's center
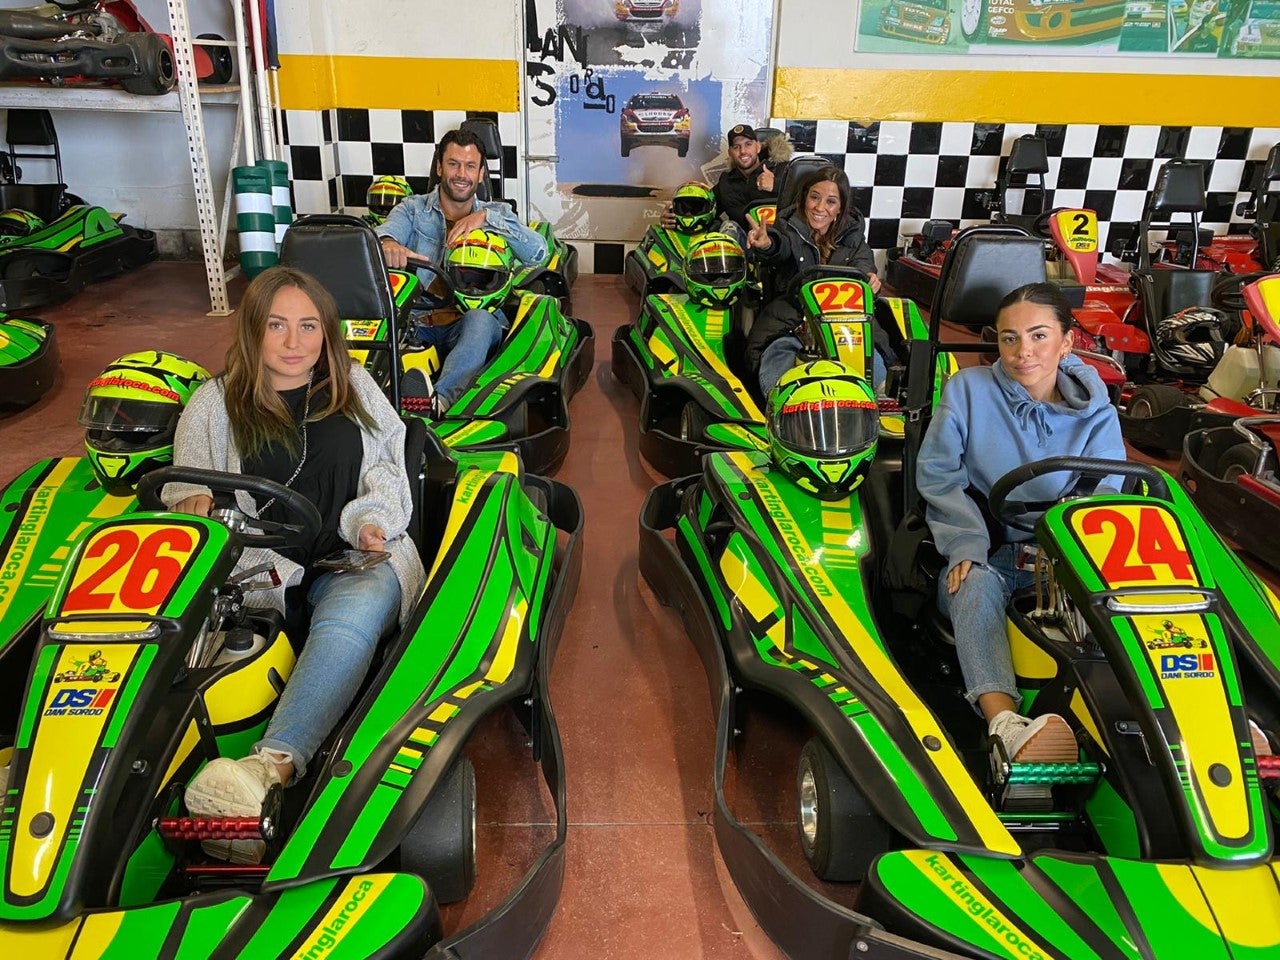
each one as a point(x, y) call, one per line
point(1038, 400)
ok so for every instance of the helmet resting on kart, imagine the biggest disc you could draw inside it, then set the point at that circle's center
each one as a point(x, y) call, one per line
point(823, 425)
point(130, 412)
point(16, 224)
point(715, 270)
point(479, 268)
point(1191, 342)
point(694, 207)
point(384, 193)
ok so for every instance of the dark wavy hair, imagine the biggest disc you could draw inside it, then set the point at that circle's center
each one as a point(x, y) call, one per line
point(1044, 295)
point(826, 241)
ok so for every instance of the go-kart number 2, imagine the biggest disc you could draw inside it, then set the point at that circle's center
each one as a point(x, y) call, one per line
point(1132, 555)
point(1078, 230)
point(122, 571)
point(838, 296)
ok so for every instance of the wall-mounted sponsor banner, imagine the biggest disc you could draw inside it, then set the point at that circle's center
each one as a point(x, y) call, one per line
point(1233, 29)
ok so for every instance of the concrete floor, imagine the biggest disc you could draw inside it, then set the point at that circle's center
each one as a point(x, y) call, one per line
point(643, 876)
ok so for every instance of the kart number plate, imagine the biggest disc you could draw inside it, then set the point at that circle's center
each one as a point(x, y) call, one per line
point(1076, 230)
point(838, 296)
point(129, 569)
point(1134, 546)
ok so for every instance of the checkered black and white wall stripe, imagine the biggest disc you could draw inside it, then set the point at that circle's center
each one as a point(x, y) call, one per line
point(903, 173)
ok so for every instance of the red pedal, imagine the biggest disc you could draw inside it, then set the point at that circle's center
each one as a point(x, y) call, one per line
point(216, 828)
point(1268, 768)
point(415, 404)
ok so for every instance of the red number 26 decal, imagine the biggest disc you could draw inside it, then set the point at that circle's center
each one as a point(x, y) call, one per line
point(149, 574)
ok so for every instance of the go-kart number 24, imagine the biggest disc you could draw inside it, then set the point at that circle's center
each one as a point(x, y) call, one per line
point(838, 296)
point(151, 566)
point(1155, 543)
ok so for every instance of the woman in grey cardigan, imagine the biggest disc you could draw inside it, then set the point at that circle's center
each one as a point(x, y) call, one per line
point(293, 407)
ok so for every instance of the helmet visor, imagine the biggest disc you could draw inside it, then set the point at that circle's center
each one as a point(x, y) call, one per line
point(718, 268)
point(827, 428)
point(477, 281)
point(381, 203)
point(690, 206)
point(127, 415)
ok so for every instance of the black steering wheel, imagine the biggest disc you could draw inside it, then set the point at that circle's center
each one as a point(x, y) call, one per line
point(821, 271)
point(1227, 292)
point(1022, 514)
point(423, 299)
point(304, 521)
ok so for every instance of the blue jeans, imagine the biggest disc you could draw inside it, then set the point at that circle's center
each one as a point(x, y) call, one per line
point(349, 613)
point(784, 353)
point(978, 615)
point(465, 344)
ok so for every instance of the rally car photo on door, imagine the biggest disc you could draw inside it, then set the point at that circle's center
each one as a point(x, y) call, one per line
point(1157, 842)
point(129, 657)
point(654, 118)
point(519, 399)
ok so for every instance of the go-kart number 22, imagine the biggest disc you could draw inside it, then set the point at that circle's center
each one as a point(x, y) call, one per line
point(121, 571)
point(1156, 546)
point(838, 296)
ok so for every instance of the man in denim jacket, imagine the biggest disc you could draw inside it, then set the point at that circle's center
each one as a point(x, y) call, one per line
point(424, 225)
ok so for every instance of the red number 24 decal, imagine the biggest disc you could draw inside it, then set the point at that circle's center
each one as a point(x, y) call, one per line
point(148, 580)
point(1156, 546)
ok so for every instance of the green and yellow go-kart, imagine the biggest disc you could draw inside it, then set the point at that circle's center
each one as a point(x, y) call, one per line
point(657, 264)
point(683, 361)
point(28, 360)
point(82, 245)
point(96, 856)
point(557, 275)
point(518, 401)
point(1160, 843)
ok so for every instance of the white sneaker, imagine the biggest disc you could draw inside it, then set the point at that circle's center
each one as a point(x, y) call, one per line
point(1261, 745)
point(232, 788)
point(1045, 739)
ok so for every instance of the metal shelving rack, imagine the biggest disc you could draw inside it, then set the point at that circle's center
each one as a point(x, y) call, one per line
point(187, 99)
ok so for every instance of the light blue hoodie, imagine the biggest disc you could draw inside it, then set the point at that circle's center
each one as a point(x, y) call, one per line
point(986, 425)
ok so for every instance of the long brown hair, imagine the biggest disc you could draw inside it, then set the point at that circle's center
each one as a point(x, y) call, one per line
point(826, 241)
point(258, 416)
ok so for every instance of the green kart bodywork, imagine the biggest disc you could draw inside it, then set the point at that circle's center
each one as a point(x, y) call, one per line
point(557, 275)
point(28, 360)
point(84, 244)
point(1160, 844)
point(657, 264)
point(682, 361)
point(519, 400)
point(110, 720)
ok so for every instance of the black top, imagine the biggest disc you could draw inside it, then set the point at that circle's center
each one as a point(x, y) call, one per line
point(736, 192)
point(329, 477)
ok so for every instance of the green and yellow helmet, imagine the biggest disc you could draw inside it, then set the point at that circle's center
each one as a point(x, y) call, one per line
point(383, 194)
point(694, 207)
point(823, 426)
point(130, 412)
point(478, 267)
point(715, 270)
point(16, 224)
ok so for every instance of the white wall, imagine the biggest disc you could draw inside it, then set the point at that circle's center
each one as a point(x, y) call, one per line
point(475, 29)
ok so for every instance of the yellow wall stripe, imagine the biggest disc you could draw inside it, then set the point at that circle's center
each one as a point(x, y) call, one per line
point(1032, 97)
point(398, 83)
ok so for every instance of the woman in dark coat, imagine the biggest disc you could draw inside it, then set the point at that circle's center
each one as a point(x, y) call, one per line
point(822, 228)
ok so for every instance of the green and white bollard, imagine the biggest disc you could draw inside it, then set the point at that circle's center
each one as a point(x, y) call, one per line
point(255, 219)
point(278, 170)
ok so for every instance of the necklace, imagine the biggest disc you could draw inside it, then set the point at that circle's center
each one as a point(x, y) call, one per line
point(306, 410)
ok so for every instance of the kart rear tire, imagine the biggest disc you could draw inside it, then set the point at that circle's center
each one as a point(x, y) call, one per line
point(223, 61)
point(157, 71)
point(840, 833)
point(1237, 461)
point(1156, 398)
point(441, 846)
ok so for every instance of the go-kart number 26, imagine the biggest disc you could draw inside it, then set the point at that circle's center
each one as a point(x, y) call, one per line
point(1134, 552)
point(838, 296)
point(123, 571)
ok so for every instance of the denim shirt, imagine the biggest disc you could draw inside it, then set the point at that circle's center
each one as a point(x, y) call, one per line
point(418, 223)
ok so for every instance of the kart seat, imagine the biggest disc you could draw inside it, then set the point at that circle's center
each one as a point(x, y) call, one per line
point(344, 254)
point(796, 170)
point(490, 187)
point(1179, 189)
point(983, 264)
point(1025, 169)
point(1165, 292)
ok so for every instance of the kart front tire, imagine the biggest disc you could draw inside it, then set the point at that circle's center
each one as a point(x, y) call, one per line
point(441, 846)
point(973, 20)
point(1237, 461)
point(840, 833)
point(156, 71)
point(1155, 399)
